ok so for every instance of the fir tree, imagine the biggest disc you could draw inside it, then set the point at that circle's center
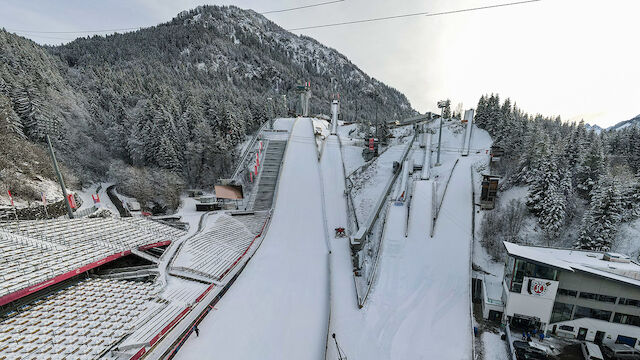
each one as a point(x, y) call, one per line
point(591, 168)
point(9, 119)
point(446, 112)
point(600, 222)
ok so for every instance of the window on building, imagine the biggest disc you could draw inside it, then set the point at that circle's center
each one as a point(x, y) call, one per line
point(626, 319)
point(607, 298)
point(566, 292)
point(598, 297)
point(516, 270)
point(566, 327)
point(582, 312)
point(588, 295)
point(540, 271)
point(518, 275)
point(630, 302)
point(561, 312)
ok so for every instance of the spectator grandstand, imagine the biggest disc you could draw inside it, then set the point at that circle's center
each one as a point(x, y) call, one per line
point(35, 254)
point(81, 321)
point(211, 254)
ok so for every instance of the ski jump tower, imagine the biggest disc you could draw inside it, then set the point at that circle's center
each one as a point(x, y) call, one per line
point(305, 96)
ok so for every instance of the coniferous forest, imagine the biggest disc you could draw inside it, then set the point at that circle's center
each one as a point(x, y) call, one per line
point(581, 184)
point(169, 104)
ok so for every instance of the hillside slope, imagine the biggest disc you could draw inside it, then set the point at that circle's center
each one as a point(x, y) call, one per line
point(179, 96)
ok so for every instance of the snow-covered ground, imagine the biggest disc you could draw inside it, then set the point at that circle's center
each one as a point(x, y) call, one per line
point(279, 306)
point(420, 305)
point(105, 202)
point(369, 183)
point(628, 239)
point(293, 291)
point(494, 348)
point(50, 188)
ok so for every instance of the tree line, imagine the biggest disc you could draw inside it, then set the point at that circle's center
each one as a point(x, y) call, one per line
point(179, 97)
point(581, 184)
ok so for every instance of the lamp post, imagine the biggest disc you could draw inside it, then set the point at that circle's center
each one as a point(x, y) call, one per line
point(60, 180)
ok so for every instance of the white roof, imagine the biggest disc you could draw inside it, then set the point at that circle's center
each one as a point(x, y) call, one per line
point(580, 260)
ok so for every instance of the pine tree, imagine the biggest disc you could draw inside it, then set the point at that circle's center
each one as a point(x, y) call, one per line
point(446, 112)
point(481, 117)
point(553, 213)
point(591, 168)
point(9, 119)
point(634, 149)
point(166, 156)
point(600, 222)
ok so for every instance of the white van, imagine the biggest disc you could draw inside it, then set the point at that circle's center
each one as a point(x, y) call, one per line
point(591, 351)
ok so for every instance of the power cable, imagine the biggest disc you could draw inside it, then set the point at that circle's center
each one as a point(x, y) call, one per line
point(301, 7)
point(425, 13)
point(140, 27)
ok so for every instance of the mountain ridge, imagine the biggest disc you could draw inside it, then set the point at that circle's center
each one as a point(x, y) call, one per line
point(635, 121)
point(179, 96)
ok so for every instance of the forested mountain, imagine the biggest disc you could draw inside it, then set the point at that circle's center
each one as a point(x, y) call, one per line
point(625, 124)
point(175, 98)
point(581, 184)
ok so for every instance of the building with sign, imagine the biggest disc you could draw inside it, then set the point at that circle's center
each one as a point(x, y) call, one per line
point(587, 295)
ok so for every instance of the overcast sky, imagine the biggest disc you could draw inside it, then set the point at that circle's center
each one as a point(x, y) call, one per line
point(573, 58)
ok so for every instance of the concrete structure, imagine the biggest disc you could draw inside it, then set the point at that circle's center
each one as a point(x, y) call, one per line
point(335, 108)
point(492, 305)
point(588, 295)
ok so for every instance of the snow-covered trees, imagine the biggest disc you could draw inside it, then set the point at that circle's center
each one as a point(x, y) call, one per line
point(599, 224)
point(591, 168)
point(446, 111)
point(179, 96)
point(504, 224)
point(8, 118)
point(573, 174)
point(548, 193)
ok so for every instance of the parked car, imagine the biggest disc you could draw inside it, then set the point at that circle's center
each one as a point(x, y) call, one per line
point(619, 352)
point(524, 351)
point(590, 351)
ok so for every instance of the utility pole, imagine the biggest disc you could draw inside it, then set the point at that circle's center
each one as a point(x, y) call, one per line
point(376, 97)
point(441, 104)
point(60, 180)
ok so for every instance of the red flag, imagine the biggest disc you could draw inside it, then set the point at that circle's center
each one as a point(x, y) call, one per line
point(72, 201)
point(10, 197)
point(257, 159)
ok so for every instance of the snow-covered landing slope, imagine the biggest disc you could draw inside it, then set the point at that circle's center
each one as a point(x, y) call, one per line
point(420, 305)
point(278, 307)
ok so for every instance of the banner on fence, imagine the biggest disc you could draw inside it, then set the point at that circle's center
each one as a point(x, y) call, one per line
point(72, 201)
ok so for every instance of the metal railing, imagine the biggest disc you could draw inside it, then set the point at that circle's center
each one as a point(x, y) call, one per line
point(248, 150)
point(365, 230)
